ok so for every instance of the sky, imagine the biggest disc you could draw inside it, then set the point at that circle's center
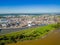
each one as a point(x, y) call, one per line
point(29, 6)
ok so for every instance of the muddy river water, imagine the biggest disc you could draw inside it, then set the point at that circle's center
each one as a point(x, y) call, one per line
point(52, 39)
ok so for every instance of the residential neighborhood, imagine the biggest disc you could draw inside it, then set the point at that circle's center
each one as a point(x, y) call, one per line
point(27, 20)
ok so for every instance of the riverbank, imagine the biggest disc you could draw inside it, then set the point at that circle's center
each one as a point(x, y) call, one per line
point(28, 34)
point(52, 38)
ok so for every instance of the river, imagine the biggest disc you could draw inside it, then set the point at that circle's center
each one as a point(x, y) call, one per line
point(9, 30)
point(52, 38)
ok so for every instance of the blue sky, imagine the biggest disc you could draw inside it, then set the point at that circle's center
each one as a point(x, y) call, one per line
point(29, 6)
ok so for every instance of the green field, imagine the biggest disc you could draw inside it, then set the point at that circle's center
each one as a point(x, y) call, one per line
point(28, 34)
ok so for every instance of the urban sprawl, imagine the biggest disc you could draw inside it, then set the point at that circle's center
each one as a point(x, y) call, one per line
point(27, 20)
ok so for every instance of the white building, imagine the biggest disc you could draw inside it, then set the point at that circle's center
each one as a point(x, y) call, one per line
point(3, 25)
point(3, 21)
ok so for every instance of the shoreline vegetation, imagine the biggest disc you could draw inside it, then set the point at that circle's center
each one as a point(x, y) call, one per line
point(28, 34)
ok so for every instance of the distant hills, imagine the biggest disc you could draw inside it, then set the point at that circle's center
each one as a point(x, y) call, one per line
point(29, 14)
